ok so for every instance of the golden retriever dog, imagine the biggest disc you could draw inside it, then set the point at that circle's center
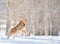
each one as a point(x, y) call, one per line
point(19, 28)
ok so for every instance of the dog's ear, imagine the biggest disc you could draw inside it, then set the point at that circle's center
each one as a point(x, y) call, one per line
point(23, 20)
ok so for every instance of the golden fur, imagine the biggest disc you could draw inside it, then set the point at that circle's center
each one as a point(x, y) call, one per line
point(19, 27)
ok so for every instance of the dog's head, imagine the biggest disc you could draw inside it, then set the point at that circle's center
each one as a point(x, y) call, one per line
point(23, 22)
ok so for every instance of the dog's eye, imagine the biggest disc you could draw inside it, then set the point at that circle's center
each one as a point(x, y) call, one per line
point(23, 24)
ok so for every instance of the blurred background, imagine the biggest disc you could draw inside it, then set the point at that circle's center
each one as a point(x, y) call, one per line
point(43, 16)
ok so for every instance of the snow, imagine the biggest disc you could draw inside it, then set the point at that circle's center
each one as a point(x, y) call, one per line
point(31, 40)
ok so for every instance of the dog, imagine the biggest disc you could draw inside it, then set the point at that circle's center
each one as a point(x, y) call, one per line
point(19, 28)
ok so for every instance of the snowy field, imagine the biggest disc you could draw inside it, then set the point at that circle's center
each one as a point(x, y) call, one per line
point(31, 40)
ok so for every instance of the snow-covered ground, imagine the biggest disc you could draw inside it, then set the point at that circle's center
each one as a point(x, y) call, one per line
point(31, 40)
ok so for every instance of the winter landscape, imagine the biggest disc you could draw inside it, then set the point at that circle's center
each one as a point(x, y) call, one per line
point(42, 24)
